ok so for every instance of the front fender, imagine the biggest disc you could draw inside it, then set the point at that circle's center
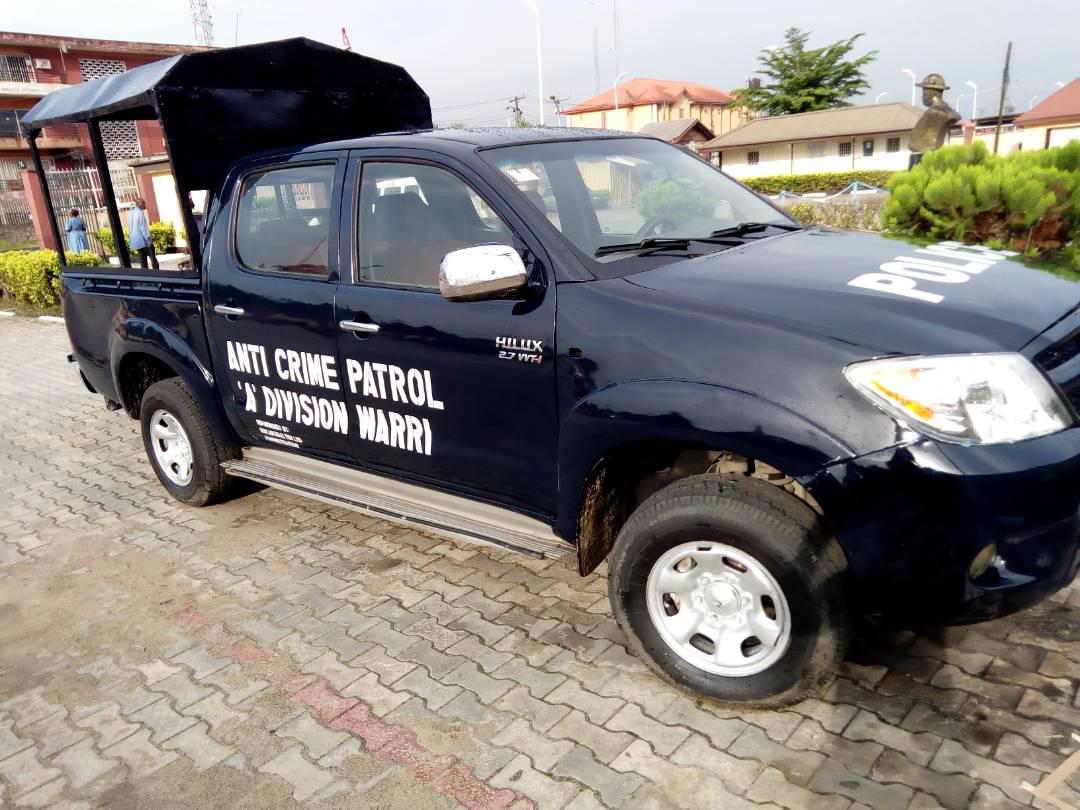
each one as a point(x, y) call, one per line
point(141, 336)
point(688, 413)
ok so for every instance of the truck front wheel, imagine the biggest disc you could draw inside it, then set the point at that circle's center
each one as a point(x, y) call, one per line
point(185, 453)
point(730, 587)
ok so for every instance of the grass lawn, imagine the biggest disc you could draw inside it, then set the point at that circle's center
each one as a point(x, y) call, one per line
point(17, 246)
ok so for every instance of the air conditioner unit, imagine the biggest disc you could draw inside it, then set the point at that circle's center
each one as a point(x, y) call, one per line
point(43, 64)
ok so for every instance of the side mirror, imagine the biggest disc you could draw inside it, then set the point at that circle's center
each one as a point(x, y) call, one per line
point(481, 271)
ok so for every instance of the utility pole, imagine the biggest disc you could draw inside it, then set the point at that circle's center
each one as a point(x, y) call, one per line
point(615, 25)
point(596, 61)
point(539, 59)
point(1001, 98)
point(514, 108)
point(558, 102)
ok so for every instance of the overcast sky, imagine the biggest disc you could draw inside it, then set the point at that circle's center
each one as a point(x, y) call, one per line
point(472, 55)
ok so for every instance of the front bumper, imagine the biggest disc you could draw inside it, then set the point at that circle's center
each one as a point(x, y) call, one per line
point(912, 519)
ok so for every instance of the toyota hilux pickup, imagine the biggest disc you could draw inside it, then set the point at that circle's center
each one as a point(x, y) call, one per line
point(586, 343)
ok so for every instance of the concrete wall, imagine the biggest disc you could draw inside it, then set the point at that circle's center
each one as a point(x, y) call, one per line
point(816, 156)
point(18, 234)
point(1057, 134)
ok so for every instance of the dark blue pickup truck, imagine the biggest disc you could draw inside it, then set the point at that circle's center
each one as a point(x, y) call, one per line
point(590, 343)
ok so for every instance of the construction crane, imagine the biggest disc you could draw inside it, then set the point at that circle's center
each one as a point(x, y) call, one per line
point(202, 21)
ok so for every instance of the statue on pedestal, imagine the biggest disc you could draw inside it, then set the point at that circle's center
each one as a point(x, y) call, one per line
point(933, 126)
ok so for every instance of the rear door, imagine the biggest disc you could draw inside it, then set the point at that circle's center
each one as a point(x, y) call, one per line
point(272, 280)
point(460, 395)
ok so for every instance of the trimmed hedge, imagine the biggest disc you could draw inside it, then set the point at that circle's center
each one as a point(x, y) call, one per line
point(1025, 201)
point(33, 276)
point(162, 234)
point(822, 181)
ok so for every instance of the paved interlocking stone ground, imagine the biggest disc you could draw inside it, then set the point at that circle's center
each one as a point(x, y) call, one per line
point(274, 651)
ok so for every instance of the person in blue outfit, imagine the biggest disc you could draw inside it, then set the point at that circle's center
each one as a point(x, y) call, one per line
point(77, 241)
point(139, 234)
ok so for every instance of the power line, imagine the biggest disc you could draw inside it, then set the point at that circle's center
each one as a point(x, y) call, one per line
point(469, 104)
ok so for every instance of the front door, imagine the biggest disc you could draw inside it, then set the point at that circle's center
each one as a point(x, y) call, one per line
point(272, 282)
point(459, 395)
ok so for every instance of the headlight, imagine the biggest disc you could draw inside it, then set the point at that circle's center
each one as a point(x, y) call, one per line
point(966, 399)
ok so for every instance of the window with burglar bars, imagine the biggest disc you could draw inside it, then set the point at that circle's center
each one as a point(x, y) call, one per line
point(843, 149)
point(120, 138)
point(16, 69)
point(892, 145)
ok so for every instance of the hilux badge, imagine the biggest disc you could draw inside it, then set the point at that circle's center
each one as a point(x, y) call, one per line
point(524, 350)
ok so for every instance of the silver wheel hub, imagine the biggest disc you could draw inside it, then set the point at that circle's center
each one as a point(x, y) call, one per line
point(718, 608)
point(172, 448)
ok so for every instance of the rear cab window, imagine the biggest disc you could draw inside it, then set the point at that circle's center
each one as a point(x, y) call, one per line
point(283, 220)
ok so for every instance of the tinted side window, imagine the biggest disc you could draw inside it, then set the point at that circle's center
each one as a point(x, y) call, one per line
point(283, 220)
point(411, 215)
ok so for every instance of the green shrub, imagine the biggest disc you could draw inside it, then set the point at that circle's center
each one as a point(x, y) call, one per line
point(162, 234)
point(1024, 201)
point(675, 200)
point(822, 181)
point(33, 276)
point(847, 214)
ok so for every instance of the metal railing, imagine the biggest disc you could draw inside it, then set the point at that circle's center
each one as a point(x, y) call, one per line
point(16, 69)
point(9, 123)
point(81, 188)
point(14, 209)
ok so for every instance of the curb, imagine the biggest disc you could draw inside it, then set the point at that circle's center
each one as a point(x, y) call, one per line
point(46, 318)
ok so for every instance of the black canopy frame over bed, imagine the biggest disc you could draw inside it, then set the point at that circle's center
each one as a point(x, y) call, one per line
point(216, 107)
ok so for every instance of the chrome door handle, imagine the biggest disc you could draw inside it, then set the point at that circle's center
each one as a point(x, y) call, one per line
point(357, 326)
point(222, 309)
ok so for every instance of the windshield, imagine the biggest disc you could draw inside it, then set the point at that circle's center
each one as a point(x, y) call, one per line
point(622, 201)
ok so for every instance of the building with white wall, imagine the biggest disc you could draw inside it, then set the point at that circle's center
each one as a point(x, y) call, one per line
point(871, 136)
point(1054, 121)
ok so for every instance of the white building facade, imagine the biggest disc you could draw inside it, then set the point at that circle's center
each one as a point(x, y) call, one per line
point(873, 137)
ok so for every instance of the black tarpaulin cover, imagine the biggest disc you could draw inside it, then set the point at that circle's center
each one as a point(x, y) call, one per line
point(218, 106)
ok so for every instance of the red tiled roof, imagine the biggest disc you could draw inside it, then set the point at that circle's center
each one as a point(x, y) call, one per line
point(651, 91)
point(13, 38)
point(1064, 105)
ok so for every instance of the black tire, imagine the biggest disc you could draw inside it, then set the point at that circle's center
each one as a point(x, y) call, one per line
point(780, 532)
point(209, 483)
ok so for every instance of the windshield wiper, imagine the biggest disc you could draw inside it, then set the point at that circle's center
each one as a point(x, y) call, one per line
point(728, 236)
point(652, 243)
point(744, 228)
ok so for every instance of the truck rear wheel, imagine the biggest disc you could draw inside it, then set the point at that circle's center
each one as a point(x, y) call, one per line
point(730, 587)
point(183, 450)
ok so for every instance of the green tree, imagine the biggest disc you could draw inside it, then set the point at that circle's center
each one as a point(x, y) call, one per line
point(799, 79)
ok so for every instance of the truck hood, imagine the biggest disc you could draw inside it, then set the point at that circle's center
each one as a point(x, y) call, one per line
point(883, 295)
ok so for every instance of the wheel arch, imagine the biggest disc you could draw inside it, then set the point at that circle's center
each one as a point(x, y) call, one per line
point(611, 439)
point(144, 352)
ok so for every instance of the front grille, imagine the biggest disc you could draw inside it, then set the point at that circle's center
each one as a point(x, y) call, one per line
point(1061, 363)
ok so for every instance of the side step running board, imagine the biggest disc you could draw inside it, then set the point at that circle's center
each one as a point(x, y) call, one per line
point(399, 502)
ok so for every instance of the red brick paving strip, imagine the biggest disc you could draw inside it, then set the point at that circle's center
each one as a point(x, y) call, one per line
point(386, 741)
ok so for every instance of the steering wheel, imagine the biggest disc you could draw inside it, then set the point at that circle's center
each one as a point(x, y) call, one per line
point(649, 227)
